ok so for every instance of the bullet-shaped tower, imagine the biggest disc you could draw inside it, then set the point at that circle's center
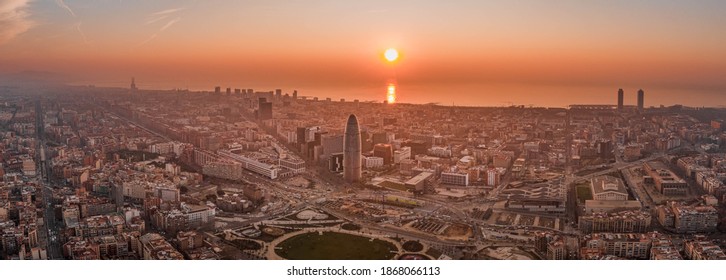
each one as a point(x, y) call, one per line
point(352, 150)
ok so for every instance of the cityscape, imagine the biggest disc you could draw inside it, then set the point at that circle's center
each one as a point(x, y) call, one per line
point(127, 173)
point(98, 170)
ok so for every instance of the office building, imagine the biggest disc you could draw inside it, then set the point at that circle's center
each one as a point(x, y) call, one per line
point(265, 109)
point(335, 162)
point(665, 181)
point(401, 154)
point(608, 188)
point(372, 162)
point(493, 177)
point(352, 150)
point(455, 178)
point(384, 151)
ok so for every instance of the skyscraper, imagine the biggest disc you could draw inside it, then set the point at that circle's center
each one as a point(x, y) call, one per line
point(264, 109)
point(621, 96)
point(133, 84)
point(352, 150)
point(384, 151)
point(605, 149)
point(641, 97)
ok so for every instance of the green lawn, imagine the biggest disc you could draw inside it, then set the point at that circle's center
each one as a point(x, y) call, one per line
point(334, 246)
point(584, 192)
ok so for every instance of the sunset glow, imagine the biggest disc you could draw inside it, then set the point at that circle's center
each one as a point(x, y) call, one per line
point(326, 46)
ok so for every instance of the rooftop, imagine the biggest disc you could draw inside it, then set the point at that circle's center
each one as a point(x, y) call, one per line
point(607, 183)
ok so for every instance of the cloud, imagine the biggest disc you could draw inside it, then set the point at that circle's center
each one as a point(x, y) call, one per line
point(156, 19)
point(83, 34)
point(64, 6)
point(161, 15)
point(153, 36)
point(167, 11)
point(14, 19)
point(170, 23)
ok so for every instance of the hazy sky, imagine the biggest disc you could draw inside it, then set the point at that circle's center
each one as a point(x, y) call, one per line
point(315, 43)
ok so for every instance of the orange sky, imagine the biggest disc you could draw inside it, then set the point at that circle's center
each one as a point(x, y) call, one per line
point(338, 44)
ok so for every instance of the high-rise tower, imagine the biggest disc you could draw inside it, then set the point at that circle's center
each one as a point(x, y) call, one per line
point(641, 101)
point(621, 96)
point(352, 150)
point(133, 84)
point(264, 109)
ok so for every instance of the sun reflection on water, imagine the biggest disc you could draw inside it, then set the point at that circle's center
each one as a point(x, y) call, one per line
point(391, 96)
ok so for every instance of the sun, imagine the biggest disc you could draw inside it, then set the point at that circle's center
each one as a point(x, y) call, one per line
point(391, 54)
